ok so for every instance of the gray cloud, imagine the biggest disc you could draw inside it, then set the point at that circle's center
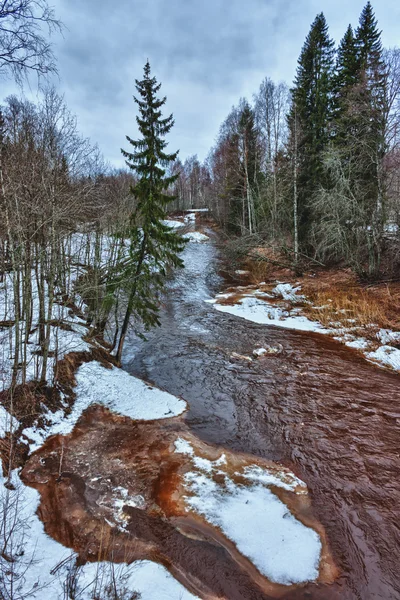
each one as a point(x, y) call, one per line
point(206, 54)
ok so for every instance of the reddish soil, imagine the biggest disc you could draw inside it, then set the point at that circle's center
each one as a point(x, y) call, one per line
point(79, 475)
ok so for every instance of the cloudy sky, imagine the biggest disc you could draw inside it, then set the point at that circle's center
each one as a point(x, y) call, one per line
point(206, 53)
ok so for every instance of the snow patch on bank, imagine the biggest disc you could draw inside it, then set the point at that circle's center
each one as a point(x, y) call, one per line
point(258, 311)
point(117, 390)
point(173, 224)
point(252, 516)
point(386, 355)
point(41, 565)
point(123, 394)
point(196, 236)
point(288, 292)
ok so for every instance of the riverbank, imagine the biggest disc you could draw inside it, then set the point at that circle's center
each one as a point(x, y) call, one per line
point(365, 317)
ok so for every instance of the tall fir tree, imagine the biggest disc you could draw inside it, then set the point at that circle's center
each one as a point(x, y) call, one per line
point(359, 136)
point(370, 102)
point(347, 68)
point(313, 106)
point(347, 78)
point(154, 246)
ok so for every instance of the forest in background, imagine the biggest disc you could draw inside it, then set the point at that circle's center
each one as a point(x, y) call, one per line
point(313, 172)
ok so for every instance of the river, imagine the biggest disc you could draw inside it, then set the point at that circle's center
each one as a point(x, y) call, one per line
point(317, 407)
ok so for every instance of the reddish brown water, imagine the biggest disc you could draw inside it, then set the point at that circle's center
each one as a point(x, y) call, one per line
point(317, 407)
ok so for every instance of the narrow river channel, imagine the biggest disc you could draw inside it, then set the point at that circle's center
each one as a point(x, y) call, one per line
point(317, 407)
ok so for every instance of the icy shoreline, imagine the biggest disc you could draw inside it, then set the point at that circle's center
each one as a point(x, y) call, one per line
point(260, 307)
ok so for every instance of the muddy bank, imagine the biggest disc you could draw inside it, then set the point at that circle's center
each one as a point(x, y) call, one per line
point(114, 489)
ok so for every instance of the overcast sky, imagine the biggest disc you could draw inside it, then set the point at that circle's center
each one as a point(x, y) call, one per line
point(206, 53)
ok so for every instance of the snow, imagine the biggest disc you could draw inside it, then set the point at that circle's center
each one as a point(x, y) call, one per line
point(7, 422)
point(124, 394)
point(190, 218)
point(387, 336)
point(197, 210)
point(117, 390)
point(150, 580)
point(196, 236)
point(41, 570)
point(62, 341)
point(357, 343)
point(183, 447)
point(391, 228)
point(260, 352)
point(258, 311)
point(174, 224)
point(40, 553)
point(253, 517)
point(288, 292)
point(386, 355)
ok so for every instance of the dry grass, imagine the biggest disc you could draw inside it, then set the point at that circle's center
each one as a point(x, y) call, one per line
point(259, 270)
point(352, 308)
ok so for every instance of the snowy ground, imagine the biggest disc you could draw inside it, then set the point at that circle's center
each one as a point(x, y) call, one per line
point(196, 236)
point(253, 517)
point(117, 390)
point(260, 307)
point(45, 566)
point(174, 224)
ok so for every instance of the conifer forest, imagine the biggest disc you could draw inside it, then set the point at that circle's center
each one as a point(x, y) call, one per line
point(199, 350)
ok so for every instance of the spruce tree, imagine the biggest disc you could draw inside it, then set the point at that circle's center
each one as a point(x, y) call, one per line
point(313, 106)
point(153, 245)
point(369, 109)
point(347, 78)
point(360, 110)
point(347, 65)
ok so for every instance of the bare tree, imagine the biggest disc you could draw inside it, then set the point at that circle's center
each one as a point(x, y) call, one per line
point(24, 46)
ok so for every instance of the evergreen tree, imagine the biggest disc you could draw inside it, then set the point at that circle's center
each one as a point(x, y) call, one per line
point(154, 246)
point(369, 110)
point(347, 78)
point(359, 148)
point(347, 66)
point(313, 106)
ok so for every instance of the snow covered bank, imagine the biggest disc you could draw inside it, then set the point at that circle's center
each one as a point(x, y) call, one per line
point(123, 394)
point(117, 390)
point(261, 307)
point(41, 567)
point(252, 307)
point(174, 224)
point(386, 355)
point(252, 516)
point(196, 236)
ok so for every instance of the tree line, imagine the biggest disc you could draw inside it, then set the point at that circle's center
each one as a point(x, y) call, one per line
point(315, 168)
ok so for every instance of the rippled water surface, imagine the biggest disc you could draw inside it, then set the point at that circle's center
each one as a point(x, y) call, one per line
point(317, 407)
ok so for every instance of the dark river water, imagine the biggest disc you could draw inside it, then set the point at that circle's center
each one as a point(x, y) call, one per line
point(317, 407)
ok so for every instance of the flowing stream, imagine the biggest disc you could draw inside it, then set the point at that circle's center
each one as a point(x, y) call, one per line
point(317, 407)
